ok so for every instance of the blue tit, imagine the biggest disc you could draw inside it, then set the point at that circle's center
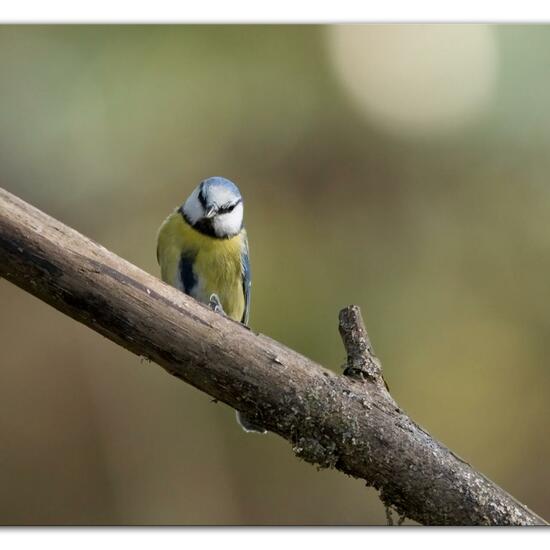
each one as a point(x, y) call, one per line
point(202, 249)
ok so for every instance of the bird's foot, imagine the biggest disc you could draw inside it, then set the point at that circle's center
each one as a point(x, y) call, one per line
point(215, 304)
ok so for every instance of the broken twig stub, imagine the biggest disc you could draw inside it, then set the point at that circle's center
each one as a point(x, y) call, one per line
point(362, 363)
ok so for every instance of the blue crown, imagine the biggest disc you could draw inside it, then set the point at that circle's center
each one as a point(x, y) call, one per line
point(218, 181)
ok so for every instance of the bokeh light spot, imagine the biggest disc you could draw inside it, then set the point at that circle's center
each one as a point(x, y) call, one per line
point(417, 79)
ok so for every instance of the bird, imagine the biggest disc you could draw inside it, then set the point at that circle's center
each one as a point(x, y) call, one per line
point(202, 249)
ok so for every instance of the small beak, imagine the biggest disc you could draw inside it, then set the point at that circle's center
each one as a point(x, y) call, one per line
point(211, 212)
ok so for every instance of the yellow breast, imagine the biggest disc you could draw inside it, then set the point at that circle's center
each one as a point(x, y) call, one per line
point(217, 263)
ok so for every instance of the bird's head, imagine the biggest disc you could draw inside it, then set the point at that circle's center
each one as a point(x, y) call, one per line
point(215, 208)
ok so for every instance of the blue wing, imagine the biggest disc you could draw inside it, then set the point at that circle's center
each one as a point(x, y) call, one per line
point(247, 281)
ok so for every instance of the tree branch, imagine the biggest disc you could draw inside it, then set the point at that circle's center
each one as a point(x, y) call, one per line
point(346, 422)
point(362, 363)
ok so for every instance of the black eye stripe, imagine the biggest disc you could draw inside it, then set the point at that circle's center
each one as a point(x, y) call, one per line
point(202, 198)
point(228, 207)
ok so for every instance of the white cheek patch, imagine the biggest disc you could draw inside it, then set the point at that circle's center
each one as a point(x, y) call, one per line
point(192, 208)
point(229, 224)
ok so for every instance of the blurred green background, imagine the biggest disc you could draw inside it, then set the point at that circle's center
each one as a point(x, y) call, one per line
point(401, 168)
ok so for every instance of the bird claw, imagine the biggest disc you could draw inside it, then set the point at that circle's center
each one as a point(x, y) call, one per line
point(215, 304)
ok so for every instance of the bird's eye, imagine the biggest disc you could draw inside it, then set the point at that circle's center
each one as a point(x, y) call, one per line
point(227, 208)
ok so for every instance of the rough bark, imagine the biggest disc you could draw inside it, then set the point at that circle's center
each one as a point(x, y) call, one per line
point(348, 422)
